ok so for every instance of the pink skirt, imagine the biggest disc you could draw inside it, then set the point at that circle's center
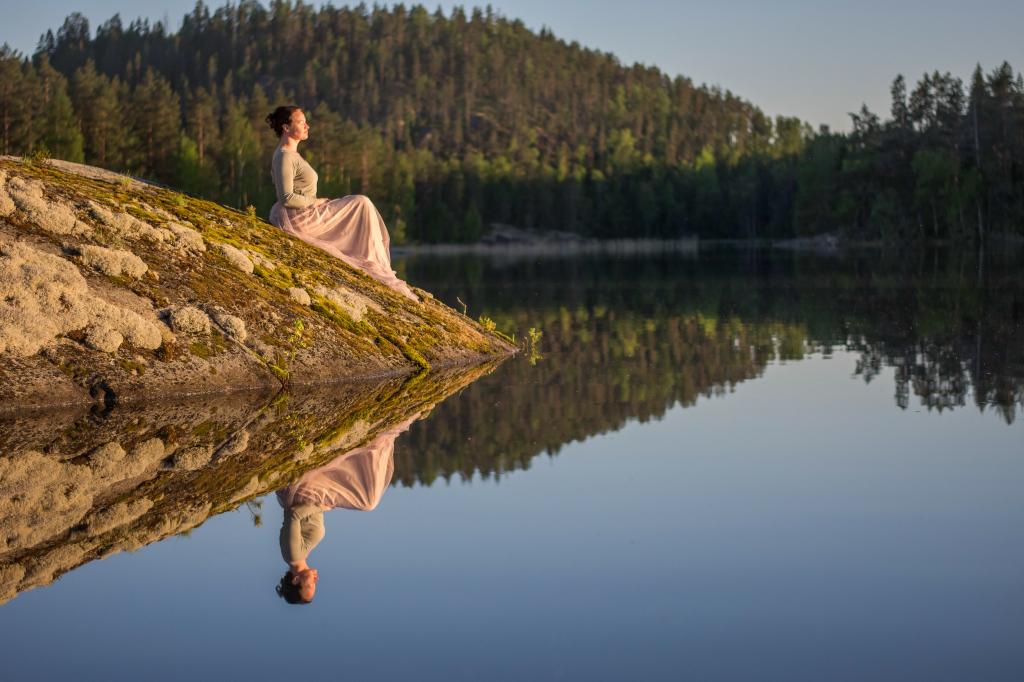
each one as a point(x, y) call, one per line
point(349, 228)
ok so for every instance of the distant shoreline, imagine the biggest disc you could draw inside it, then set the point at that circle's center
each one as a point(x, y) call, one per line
point(555, 248)
point(821, 244)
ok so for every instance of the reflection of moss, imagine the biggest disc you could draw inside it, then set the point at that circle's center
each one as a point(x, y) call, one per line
point(131, 366)
point(210, 431)
point(168, 352)
point(279, 371)
point(76, 371)
point(208, 348)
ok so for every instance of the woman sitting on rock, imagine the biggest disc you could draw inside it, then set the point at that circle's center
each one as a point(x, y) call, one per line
point(349, 228)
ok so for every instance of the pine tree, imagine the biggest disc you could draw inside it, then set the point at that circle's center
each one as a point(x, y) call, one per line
point(155, 120)
point(59, 133)
point(15, 103)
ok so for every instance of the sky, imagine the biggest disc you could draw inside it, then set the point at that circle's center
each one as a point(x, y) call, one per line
point(815, 60)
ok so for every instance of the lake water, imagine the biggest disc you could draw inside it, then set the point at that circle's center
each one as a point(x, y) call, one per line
point(724, 465)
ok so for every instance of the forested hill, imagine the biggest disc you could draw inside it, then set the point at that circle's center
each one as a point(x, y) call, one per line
point(451, 122)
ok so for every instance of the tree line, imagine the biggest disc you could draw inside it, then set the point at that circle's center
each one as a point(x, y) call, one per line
point(452, 122)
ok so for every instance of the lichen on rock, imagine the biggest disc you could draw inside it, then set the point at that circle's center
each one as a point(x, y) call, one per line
point(53, 217)
point(137, 330)
point(259, 259)
point(103, 338)
point(188, 319)
point(194, 457)
point(6, 203)
point(113, 262)
point(42, 569)
point(119, 515)
point(40, 497)
point(10, 579)
point(354, 305)
point(238, 258)
point(233, 326)
point(43, 295)
point(300, 296)
point(128, 226)
point(107, 455)
point(188, 240)
point(111, 462)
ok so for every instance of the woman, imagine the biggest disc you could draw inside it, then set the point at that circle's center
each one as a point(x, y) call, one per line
point(354, 480)
point(349, 228)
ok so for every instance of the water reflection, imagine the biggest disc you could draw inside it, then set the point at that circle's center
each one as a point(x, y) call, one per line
point(951, 329)
point(623, 340)
point(355, 480)
point(80, 486)
point(790, 500)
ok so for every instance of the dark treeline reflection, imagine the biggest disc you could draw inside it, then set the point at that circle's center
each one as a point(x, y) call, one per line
point(628, 338)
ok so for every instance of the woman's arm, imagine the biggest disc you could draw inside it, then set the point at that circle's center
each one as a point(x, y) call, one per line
point(284, 184)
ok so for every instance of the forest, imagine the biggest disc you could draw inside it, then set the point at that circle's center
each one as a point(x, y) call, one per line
point(451, 123)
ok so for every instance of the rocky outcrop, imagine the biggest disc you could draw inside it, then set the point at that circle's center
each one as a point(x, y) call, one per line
point(112, 289)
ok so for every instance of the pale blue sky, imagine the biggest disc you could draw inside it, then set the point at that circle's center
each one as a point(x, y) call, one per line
point(816, 60)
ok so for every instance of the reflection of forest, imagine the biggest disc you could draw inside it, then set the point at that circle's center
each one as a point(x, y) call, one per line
point(629, 338)
point(600, 368)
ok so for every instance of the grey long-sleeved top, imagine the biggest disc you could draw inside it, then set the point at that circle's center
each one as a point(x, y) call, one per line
point(294, 179)
point(301, 531)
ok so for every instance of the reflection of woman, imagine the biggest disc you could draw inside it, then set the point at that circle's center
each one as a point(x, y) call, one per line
point(355, 480)
point(349, 228)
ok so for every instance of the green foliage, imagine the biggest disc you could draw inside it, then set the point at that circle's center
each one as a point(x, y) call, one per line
point(449, 126)
point(39, 155)
point(533, 336)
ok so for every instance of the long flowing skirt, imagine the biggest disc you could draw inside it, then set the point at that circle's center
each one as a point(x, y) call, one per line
point(349, 228)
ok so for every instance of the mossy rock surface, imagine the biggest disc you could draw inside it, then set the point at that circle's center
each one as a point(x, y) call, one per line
point(89, 332)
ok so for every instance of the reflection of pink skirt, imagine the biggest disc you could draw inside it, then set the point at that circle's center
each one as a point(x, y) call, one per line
point(349, 228)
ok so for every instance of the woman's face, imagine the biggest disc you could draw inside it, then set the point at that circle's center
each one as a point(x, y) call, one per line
point(297, 128)
point(306, 580)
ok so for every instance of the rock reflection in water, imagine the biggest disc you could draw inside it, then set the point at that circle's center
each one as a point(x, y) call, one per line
point(355, 480)
point(79, 486)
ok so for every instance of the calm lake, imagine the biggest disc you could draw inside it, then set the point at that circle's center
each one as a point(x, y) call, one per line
point(716, 465)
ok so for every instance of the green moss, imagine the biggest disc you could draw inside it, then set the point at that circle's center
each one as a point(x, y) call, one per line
point(281, 277)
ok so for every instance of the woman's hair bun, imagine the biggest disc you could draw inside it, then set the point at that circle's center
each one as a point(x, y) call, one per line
point(281, 116)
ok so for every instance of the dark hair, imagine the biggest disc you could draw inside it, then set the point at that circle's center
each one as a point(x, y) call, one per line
point(280, 117)
point(288, 591)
